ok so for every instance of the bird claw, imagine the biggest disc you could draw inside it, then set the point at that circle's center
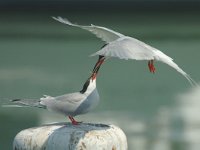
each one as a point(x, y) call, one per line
point(74, 122)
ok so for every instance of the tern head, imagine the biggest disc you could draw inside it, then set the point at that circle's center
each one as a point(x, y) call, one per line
point(90, 84)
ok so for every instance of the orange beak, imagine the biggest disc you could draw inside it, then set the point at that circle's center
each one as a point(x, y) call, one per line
point(98, 65)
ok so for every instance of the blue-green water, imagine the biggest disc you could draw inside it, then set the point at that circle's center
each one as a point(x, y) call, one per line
point(40, 56)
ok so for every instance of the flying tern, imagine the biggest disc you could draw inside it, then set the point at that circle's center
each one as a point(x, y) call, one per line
point(70, 105)
point(125, 47)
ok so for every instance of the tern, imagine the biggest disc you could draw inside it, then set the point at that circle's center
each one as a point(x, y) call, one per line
point(70, 105)
point(125, 47)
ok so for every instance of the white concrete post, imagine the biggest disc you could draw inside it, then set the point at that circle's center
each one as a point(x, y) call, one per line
point(64, 136)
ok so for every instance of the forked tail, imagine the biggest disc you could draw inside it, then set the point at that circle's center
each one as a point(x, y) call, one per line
point(24, 103)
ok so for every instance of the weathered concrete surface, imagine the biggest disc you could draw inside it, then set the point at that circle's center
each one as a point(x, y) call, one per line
point(64, 136)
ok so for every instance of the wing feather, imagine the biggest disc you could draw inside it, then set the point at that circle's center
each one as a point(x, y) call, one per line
point(169, 61)
point(71, 98)
point(66, 104)
point(126, 48)
point(103, 33)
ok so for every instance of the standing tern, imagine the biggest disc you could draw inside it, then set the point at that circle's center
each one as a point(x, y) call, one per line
point(125, 47)
point(70, 105)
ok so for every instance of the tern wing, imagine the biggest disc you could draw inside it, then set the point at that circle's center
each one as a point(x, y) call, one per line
point(66, 104)
point(71, 98)
point(103, 33)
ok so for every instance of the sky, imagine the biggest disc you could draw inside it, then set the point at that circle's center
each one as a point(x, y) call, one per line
point(99, 5)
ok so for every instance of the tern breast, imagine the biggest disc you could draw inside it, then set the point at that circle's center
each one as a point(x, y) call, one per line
point(89, 103)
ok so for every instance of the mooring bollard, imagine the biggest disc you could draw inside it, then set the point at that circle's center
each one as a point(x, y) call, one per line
point(65, 136)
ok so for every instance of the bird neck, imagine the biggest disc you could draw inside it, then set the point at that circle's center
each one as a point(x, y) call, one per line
point(88, 87)
point(91, 87)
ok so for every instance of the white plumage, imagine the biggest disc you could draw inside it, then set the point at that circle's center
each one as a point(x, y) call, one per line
point(125, 47)
point(70, 105)
point(74, 103)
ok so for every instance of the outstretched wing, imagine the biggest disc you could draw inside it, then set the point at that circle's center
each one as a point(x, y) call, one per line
point(103, 33)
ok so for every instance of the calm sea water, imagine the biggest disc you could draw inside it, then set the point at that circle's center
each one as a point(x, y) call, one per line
point(156, 111)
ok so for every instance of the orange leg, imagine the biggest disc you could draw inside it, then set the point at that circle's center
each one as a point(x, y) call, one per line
point(151, 66)
point(74, 122)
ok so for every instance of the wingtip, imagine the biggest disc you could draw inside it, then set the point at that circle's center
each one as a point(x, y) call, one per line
point(63, 20)
point(55, 18)
point(92, 55)
point(192, 82)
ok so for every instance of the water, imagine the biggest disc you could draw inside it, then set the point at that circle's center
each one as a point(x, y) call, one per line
point(40, 56)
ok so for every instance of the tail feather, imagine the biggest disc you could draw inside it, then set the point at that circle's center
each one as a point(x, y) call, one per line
point(10, 105)
point(25, 103)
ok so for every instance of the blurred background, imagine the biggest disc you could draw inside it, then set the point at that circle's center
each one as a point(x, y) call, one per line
point(41, 56)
